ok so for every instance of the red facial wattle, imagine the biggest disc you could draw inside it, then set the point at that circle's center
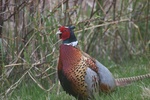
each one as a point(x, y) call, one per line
point(65, 33)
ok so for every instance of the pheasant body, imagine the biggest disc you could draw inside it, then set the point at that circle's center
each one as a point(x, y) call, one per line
point(81, 75)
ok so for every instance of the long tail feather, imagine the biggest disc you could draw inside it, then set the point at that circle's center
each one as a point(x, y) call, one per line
point(129, 80)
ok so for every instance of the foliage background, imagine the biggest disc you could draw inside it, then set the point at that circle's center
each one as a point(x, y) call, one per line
point(112, 31)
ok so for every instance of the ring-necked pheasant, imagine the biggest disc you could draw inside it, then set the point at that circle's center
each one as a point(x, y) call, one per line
point(81, 75)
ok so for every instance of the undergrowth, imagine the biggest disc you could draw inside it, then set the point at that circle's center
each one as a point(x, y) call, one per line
point(134, 91)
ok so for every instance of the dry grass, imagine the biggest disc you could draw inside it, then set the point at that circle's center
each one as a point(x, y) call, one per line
point(146, 92)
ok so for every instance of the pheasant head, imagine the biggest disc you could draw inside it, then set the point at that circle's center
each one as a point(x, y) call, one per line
point(67, 35)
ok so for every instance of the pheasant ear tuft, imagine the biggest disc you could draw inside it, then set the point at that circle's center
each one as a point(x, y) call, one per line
point(72, 27)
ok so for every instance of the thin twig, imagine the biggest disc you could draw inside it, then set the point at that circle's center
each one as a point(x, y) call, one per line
point(105, 24)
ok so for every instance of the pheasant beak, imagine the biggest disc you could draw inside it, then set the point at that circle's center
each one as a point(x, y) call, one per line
point(58, 33)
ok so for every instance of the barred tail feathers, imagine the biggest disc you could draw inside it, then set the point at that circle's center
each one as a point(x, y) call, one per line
point(129, 80)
